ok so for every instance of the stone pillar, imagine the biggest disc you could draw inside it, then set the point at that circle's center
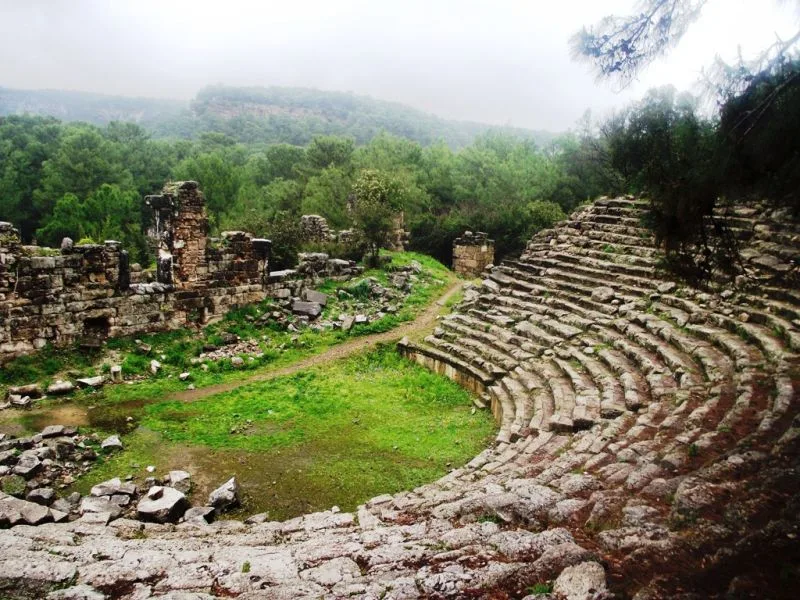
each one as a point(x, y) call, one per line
point(181, 233)
point(472, 253)
point(9, 255)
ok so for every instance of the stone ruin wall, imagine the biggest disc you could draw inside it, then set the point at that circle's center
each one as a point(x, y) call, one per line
point(315, 228)
point(472, 253)
point(84, 293)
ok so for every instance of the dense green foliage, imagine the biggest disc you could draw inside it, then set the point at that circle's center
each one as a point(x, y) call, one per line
point(80, 180)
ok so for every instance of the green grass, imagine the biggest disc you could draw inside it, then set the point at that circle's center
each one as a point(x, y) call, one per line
point(335, 434)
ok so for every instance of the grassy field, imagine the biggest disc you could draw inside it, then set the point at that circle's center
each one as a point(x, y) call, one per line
point(337, 434)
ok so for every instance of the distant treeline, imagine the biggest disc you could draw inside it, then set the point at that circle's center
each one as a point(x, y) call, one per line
point(79, 180)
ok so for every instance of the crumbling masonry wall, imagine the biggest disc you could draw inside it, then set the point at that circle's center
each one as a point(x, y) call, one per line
point(472, 253)
point(84, 293)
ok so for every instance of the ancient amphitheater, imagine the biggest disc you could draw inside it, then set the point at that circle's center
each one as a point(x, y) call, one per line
point(647, 448)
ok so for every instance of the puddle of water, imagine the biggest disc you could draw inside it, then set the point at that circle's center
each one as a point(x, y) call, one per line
point(111, 418)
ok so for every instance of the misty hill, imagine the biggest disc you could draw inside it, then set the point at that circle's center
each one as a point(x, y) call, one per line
point(86, 106)
point(258, 115)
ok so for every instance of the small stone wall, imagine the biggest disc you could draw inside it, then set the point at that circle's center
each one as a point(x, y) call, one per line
point(85, 293)
point(472, 253)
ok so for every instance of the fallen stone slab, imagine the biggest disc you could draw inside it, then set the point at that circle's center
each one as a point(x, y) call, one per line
point(101, 505)
point(18, 401)
point(27, 466)
point(53, 431)
point(309, 309)
point(91, 382)
point(60, 387)
point(162, 505)
point(111, 443)
point(33, 390)
point(200, 514)
point(112, 487)
point(43, 496)
point(315, 296)
point(14, 511)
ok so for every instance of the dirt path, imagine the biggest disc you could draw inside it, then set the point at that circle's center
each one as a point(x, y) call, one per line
point(423, 321)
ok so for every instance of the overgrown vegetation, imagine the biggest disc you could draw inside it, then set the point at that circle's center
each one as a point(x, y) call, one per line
point(688, 163)
point(334, 434)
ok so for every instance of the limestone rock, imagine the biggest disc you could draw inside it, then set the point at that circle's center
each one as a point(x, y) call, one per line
point(112, 487)
point(60, 387)
point(602, 294)
point(584, 581)
point(14, 511)
point(33, 390)
point(667, 287)
point(315, 296)
point(91, 382)
point(162, 505)
point(27, 465)
point(111, 443)
point(100, 505)
point(52, 431)
point(309, 309)
point(43, 496)
point(180, 480)
point(198, 514)
point(225, 496)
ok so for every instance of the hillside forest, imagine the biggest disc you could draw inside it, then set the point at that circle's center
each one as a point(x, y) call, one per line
point(87, 181)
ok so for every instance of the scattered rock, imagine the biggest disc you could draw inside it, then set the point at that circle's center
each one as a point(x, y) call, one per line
point(203, 514)
point(53, 431)
point(32, 389)
point(162, 505)
point(309, 309)
point(116, 374)
point(180, 480)
point(43, 496)
point(155, 367)
point(111, 443)
point(27, 466)
point(316, 297)
point(91, 382)
point(237, 361)
point(60, 387)
point(225, 496)
point(112, 487)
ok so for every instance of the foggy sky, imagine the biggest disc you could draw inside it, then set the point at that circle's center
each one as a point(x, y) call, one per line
point(497, 61)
